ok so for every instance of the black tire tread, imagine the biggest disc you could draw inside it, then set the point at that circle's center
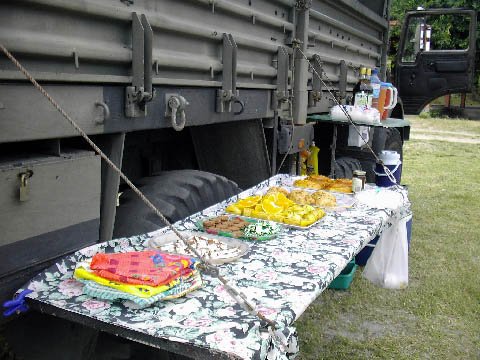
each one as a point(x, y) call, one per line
point(346, 166)
point(394, 141)
point(177, 194)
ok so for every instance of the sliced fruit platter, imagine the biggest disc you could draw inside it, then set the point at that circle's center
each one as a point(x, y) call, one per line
point(240, 228)
point(276, 206)
point(320, 182)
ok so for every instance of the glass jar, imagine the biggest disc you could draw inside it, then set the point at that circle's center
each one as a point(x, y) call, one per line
point(358, 180)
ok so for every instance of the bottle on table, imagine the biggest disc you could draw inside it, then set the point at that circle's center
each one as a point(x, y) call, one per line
point(312, 160)
point(363, 98)
point(376, 85)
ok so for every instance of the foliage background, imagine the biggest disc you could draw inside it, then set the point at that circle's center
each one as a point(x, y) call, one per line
point(445, 31)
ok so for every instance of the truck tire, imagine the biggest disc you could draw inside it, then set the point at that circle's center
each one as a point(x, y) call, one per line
point(387, 139)
point(369, 167)
point(394, 141)
point(344, 167)
point(177, 194)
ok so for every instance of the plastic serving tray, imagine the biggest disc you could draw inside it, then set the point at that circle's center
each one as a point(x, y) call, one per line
point(344, 201)
point(290, 183)
point(277, 228)
point(162, 242)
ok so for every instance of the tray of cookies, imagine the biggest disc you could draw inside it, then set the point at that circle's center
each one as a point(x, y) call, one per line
point(239, 227)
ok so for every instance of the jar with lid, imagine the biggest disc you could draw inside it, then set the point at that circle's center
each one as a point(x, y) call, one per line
point(358, 180)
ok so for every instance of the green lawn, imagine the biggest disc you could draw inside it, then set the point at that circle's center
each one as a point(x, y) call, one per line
point(438, 315)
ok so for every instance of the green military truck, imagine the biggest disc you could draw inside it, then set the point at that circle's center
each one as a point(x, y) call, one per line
point(194, 100)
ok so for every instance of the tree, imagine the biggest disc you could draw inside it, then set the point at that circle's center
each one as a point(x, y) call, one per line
point(448, 32)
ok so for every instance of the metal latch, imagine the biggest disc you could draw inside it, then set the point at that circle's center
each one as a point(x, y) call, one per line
point(24, 189)
point(315, 95)
point(141, 91)
point(229, 93)
point(175, 107)
point(283, 64)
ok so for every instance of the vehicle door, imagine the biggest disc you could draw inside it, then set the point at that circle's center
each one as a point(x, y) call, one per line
point(436, 56)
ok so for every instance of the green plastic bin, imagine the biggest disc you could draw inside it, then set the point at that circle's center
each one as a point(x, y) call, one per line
point(343, 281)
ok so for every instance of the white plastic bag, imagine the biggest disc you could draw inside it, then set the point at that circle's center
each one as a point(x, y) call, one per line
point(388, 264)
point(358, 114)
point(354, 139)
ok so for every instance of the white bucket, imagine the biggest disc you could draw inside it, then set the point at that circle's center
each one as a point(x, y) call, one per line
point(391, 159)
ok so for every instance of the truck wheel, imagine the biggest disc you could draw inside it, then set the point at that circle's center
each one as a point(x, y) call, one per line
point(369, 167)
point(177, 194)
point(394, 141)
point(387, 139)
point(344, 167)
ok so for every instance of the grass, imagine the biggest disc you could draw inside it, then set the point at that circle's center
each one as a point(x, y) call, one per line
point(438, 315)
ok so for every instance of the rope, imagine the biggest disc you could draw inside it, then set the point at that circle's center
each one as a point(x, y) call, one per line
point(209, 267)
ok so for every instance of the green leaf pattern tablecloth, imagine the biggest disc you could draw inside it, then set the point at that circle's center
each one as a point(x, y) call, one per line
point(282, 276)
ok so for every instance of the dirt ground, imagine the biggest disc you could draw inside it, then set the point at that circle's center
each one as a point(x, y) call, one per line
point(419, 132)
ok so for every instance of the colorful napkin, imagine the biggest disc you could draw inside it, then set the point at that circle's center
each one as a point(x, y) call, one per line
point(149, 267)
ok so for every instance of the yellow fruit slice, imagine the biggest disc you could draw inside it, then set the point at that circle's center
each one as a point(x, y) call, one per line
point(296, 209)
point(234, 209)
point(293, 219)
point(310, 217)
point(271, 207)
point(249, 201)
point(270, 197)
point(319, 213)
point(277, 217)
point(247, 212)
point(306, 222)
point(283, 201)
point(261, 215)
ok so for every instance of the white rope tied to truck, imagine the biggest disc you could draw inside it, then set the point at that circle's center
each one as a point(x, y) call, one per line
point(211, 269)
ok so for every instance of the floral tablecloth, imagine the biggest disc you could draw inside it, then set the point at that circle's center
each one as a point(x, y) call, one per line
point(282, 276)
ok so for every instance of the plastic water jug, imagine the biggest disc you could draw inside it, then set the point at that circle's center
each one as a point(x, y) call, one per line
point(388, 97)
point(391, 159)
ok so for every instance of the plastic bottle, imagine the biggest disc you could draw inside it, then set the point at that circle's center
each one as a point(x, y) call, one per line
point(304, 154)
point(376, 84)
point(363, 98)
point(312, 160)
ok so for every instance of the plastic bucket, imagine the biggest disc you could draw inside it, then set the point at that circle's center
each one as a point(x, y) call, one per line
point(362, 257)
point(343, 281)
point(391, 159)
